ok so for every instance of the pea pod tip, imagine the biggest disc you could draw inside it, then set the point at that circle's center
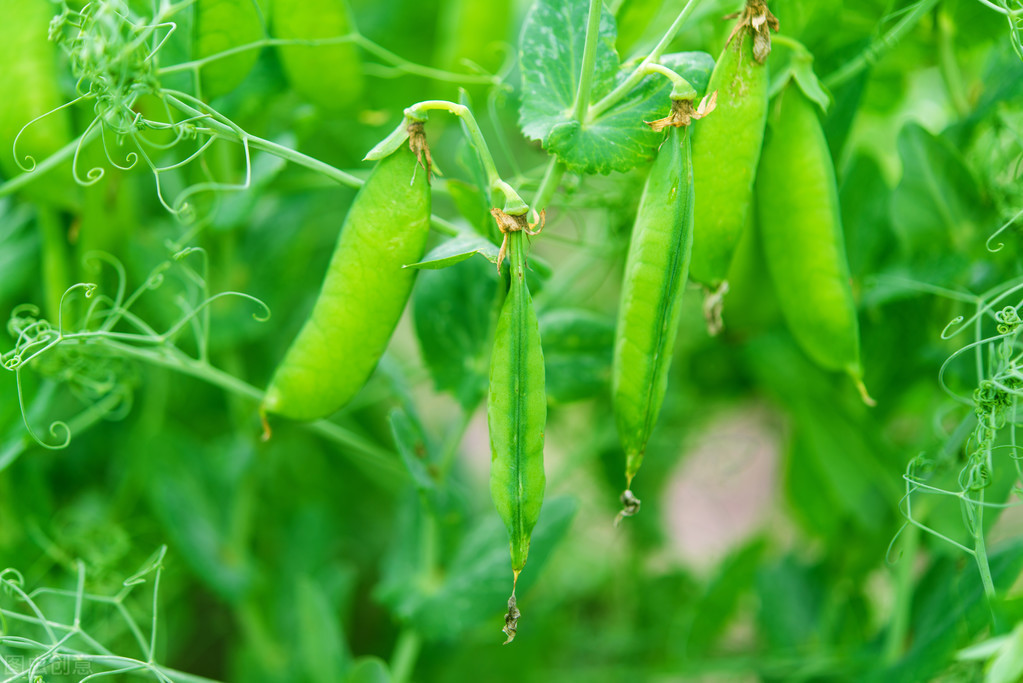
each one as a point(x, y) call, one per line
point(630, 506)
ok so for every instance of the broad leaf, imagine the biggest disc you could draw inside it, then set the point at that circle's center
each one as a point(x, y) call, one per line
point(370, 670)
point(936, 205)
point(453, 310)
point(577, 350)
point(551, 56)
point(479, 577)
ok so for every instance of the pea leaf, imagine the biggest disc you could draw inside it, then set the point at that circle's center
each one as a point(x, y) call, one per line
point(617, 139)
point(949, 609)
point(457, 250)
point(478, 579)
point(452, 311)
point(577, 350)
point(937, 200)
point(370, 670)
point(553, 37)
point(320, 634)
point(414, 448)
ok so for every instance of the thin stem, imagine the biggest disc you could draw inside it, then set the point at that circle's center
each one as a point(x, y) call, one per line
point(680, 87)
point(358, 39)
point(980, 548)
point(613, 97)
point(406, 652)
point(381, 460)
point(950, 72)
point(582, 93)
point(230, 133)
point(60, 156)
point(513, 204)
point(551, 177)
point(424, 71)
point(879, 47)
point(1001, 10)
point(898, 628)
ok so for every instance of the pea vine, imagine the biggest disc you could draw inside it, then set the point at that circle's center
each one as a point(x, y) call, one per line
point(985, 443)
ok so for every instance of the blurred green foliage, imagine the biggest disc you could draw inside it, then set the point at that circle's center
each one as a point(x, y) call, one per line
point(366, 548)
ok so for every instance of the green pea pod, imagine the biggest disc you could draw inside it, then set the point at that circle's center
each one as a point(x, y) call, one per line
point(29, 88)
point(801, 234)
point(655, 275)
point(726, 147)
point(222, 25)
point(516, 415)
point(329, 74)
point(363, 295)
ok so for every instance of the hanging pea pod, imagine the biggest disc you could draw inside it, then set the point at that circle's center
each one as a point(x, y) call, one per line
point(517, 411)
point(328, 74)
point(655, 276)
point(222, 25)
point(726, 150)
point(800, 228)
point(363, 295)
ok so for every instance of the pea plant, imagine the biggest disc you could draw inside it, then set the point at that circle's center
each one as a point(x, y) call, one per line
point(351, 307)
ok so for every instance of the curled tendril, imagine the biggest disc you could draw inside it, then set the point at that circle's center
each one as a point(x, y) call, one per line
point(946, 334)
point(1008, 320)
point(93, 175)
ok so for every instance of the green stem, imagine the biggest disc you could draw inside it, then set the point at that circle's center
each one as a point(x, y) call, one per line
point(49, 163)
point(406, 652)
point(980, 549)
point(680, 87)
point(56, 278)
point(551, 177)
point(513, 204)
point(637, 75)
point(21, 441)
point(950, 72)
point(380, 461)
point(582, 93)
point(362, 41)
point(895, 639)
point(288, 154)
point(452, 442)
point(880, 46)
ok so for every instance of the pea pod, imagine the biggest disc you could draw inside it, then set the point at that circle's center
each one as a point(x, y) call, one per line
point(516, 415)
point(328, 74)
point(655, 275)
point(726, 148)
point(29, 88)
point(222, 25)
point(363, 295)
point(801, 234)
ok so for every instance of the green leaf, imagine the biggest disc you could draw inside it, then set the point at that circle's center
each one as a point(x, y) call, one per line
point(619, 140)
point(864, 196)
point(797, 65)
point(715, 607)
point(478, 579)
point(949, 609)
point(578, 347)
point(457, 250)
point(453, 311)
point(415, 449)
point(370, 670)
point(321, 639)
point(551, 58)
point(553, 37)
point(936, 204)
point(1007, 667)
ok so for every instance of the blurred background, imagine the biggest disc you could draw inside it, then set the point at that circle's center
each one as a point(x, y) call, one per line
point(772, 544)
